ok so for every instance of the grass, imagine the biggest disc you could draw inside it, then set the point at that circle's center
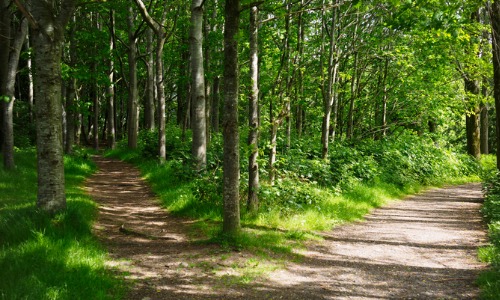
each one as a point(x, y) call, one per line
point(50, 258)
point(489, 280)
point(291, 212)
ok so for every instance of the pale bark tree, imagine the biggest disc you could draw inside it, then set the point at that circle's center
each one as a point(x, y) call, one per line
point(149, 109)
point(231, 152)
point(199, 144)
point(48, 20)
point(13, 46)
point(253, 114)
point(159, 29)
point(71, 105)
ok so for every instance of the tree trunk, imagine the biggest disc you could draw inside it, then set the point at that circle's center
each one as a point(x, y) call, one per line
point(215, 105)
point(253, 115)
point(133, 109)
point(111, 130)
point(149, 113)
point(17, 39)
point(49, 20)
point(495, 26)
point(484, 119)
point(472, 119)
point(5, 24)
point(199, 145)
point(231, 165)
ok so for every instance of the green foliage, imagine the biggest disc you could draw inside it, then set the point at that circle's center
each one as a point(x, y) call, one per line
point(490, 279)
point(50, 258)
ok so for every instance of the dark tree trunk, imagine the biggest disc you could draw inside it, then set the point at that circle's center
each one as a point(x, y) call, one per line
point(231, 166)
point(472, 120)
point(215, 105)
point(149, 113)
point(110, 128)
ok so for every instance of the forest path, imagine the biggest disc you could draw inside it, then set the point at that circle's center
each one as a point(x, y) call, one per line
point(420, 248)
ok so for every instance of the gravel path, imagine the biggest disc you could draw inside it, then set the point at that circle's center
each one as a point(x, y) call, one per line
point(420, 248)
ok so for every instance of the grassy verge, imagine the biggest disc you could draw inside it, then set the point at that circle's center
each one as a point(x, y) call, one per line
point(50, 258)
point(490, 279)
point(310, 194)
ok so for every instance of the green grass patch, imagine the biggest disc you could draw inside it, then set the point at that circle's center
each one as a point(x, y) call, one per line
point(489, 280)
point(44, 257)
point(309, 195)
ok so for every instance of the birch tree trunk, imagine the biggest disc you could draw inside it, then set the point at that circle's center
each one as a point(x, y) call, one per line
point(253, 114)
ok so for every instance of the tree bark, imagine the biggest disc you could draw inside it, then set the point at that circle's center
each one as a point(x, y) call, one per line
point(253, 114)
point(18, 36)
point(484, 119)
point(215, 105)
point(48, 23)
point(495, 28)
point(472, 119)
point(133, 109)
point(149, 113)
point(111, 130)
point(231, 165)
point(199, 144)
point(5, 24)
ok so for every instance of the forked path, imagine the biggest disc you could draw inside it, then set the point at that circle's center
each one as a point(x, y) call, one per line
point(420, 248)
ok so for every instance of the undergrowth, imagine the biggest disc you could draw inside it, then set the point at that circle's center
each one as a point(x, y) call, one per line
point(490, 280)
point(309, 195)
point(44, 257)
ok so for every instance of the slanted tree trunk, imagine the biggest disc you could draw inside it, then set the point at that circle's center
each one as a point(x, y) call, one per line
point(48, 20)
point(17, 37)
point(199, 145)
point(231, 165)
point(253, 115)
point(159, 30)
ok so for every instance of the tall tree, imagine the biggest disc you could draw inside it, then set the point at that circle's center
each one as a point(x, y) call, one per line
point(199, 145)
point(253, 114)
point(231, 151)
point(159, 28)
point(133, 93)
point(495, 34)
point(48, 20)
point(13, 47)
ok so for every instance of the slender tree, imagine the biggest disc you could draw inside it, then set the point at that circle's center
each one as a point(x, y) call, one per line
point(231, 165)
point(199, 145)
point(253, 114)
point(17, 37)
point(495, 29)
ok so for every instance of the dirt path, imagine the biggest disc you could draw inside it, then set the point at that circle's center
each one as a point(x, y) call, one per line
point(421, 248)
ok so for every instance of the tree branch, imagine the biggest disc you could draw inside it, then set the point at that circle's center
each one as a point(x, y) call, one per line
point(27, 14)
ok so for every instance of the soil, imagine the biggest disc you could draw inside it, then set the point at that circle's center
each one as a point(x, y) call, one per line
point(420, 248)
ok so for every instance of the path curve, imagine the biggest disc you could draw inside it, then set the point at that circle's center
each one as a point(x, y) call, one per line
point(420, 248)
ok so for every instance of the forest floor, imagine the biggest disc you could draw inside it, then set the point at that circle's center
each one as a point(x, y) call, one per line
point(420, 248)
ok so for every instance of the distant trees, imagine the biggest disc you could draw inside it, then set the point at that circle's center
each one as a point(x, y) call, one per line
point(317, 72)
